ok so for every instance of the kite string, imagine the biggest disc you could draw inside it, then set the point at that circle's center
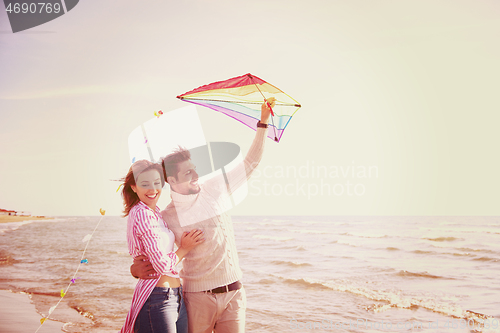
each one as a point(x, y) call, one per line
point(272, 113)
point(64, 292)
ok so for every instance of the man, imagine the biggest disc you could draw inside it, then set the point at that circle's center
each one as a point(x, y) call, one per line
point(214, 297)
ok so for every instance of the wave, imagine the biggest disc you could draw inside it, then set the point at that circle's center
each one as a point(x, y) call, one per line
point(390, 248)
point(424, 252)
point(290, 263)
point(486, 259)
point(346, 243)
point(394, 299)
point(273, 222)
point(404, 273)
point(266, 281)
point(444, 239)
point(275, 238)
point(11, 226)
point(56, 294)
point(310, 222)
point(361, 235)
point(126, 253)
point(330, 223)
point(287, 246)
point(6, 259)
point(309, 231)
point(305, 282)
point(463, 254)
point(269, 223)
point(83, 312)
point(467, 249)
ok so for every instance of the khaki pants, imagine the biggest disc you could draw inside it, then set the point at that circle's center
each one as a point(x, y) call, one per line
point(220, 313)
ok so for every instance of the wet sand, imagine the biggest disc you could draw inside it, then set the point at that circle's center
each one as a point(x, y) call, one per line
point(18, 315)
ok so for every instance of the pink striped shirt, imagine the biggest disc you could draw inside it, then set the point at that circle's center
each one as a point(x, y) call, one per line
point(147, 234)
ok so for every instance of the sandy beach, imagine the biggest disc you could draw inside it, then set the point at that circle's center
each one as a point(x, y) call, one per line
point(10, 218)
point(18, 315)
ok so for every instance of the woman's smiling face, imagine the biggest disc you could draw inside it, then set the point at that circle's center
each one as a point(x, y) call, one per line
point(148, 187)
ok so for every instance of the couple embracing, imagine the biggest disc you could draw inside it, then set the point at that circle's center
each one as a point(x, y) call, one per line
point(211, 298)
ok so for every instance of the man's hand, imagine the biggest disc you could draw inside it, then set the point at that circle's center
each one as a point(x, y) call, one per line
point(142, 268)
point(265, 110)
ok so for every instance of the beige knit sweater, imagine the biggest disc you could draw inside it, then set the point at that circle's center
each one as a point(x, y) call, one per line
point(213, 263)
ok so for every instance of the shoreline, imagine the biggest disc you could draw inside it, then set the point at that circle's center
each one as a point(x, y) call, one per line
point(12, 218)
point(18, 315)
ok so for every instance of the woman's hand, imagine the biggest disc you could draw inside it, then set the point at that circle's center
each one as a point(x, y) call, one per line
point(190, 240)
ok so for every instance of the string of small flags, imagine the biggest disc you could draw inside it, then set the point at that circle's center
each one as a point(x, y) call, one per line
point(87, 239)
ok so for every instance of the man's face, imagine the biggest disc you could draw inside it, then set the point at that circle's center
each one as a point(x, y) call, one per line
point(187, 179)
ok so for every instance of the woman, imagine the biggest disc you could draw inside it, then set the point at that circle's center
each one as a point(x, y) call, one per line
point(157, 304)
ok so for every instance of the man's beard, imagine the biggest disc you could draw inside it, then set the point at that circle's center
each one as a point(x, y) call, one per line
point(195, 190)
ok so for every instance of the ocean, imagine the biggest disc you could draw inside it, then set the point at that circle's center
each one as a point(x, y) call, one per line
point(301, 274)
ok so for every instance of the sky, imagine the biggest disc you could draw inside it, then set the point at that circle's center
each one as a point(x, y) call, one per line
point(399, 116)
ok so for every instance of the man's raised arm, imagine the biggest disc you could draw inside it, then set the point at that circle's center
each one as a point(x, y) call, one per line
point(239, 174)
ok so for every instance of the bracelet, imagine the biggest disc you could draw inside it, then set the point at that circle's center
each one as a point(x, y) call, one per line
point(259, 124)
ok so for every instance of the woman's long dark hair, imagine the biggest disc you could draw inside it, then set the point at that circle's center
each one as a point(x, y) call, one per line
point(130, 198)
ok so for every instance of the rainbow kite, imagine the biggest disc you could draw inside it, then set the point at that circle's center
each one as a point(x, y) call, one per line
point(241, 98)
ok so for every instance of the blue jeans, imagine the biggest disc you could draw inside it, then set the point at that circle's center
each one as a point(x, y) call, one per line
point(163, 312)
